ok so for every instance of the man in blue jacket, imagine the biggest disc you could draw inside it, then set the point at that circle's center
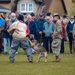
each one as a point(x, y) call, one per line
point(32, 26)
point(40, 22)
point(1, 25)
point(48, 29)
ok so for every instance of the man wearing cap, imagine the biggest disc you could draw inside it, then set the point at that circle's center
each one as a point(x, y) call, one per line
point(40, 23)
point(48, 29)
point(19, 31)
point(33, 16)
point(57, 36)
point(25, 16)
point(49, 14)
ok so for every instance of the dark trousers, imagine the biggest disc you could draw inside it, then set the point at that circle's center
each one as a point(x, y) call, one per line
point(62, 46)
point(70, 36)
point(1, 45)
point(39, 37)
point(25, 45)
point(47, 43)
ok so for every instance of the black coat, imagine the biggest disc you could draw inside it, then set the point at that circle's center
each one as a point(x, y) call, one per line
point(5, 33)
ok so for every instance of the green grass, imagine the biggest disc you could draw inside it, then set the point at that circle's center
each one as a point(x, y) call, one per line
point(23, 67)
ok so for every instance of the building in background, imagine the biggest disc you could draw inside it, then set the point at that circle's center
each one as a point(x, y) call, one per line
point(37, 6)
point(58, 6)
point(5, 7)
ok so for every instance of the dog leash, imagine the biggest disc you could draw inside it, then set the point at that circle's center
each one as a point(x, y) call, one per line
point(40, 38)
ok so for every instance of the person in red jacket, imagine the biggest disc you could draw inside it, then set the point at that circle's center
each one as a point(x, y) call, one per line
point(63, 37)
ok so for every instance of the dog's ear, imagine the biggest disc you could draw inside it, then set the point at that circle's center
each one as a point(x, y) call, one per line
point(34, 40)
point(31, 37)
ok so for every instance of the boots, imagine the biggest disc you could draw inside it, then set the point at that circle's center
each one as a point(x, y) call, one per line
point(70, 49)
point(57, 59)
point(30, 60)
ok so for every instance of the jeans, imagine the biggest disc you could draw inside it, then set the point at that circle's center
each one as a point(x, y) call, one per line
point(70, 36)
point(24, 44)
point(6, 41)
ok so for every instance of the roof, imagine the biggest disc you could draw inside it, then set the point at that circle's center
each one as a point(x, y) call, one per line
point(5, 1)
point(3, 9)
point(48, 3)
point(14, 7)
point(39, 1)
point(63, 3)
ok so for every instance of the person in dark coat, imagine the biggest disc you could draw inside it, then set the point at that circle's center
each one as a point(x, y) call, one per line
point(5, 36)
point(69, 30)
point(32, 26)
point(1, 26)
point(40, 22)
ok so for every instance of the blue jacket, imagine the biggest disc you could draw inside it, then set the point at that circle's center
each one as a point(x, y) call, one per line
point(48, 28)
point(40, 24)
point(32, 27)
point(1, 22)
point(69, 27)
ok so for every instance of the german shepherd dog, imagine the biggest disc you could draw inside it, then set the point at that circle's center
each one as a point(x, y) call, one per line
point(40, 49)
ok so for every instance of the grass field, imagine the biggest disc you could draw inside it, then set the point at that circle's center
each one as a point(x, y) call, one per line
point(23, 67)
